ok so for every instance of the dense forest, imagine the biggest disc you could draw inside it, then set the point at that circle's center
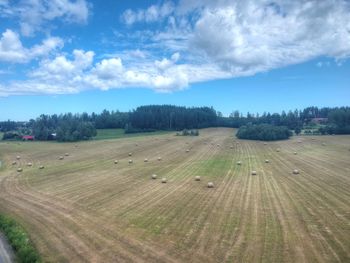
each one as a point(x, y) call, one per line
point(74, 127)
point(263, 132)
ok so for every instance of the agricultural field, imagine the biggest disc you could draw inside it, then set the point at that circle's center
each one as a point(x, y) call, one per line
point(86, 208)
point(105, 134)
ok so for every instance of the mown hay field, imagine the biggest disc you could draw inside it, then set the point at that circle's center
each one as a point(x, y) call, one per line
point(86, 208)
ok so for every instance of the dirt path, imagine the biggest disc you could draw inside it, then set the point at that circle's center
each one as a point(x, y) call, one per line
point(6, 253)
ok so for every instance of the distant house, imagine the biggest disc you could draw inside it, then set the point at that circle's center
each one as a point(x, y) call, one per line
point(28, 138)
point(319, 120)
point(52, 136)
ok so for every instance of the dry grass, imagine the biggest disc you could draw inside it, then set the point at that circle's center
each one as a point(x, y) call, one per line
point(83, 209)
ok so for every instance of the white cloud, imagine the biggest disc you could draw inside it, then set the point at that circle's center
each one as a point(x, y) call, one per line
point(63, 69)
point(216, 39)
point(151, 14)
point(108, 68)
point(34, 15)
point(12, 50)
point(256, 36)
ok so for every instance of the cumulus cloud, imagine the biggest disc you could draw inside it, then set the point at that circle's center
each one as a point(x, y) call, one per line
point(197, 41)
point(151, 14)
point(33, 15)
point(12, 50)
point(257, 36)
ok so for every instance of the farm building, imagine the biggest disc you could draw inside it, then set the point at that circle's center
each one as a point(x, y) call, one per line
point(28, 138)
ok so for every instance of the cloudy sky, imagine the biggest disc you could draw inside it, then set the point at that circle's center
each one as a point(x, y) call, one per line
point(252, 55)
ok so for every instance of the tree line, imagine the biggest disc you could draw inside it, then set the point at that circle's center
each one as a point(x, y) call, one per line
point(263, 132)
point(73, 127)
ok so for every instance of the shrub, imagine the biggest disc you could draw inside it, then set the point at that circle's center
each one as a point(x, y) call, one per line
point(19, 240)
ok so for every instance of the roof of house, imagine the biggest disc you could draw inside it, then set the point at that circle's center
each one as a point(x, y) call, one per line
point(28, 137)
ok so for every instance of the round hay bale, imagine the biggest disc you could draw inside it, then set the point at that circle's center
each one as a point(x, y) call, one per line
point(218, 145)
point(239, 163)
point(159, 158)
point(267, 161)
point(253, 173)
point(231, 147)
point(29, 164)
point(210, 185)
point(66, 154)
point(154, 176)
point(164, 180)
point(265, 143)
point(130, 161)
point(18, 157)
point(278, 150)
point(136, 144)
point(130, 154)
point(187, 150)
point(19, 169)
point(14, 163)
point(295, 171)
point(41, 167)
point(146, 160)
point(61, 158)
point(197, 178)
point(295, 153)
point(115, 161)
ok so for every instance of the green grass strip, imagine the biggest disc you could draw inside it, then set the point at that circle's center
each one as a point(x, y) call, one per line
point(19, 240)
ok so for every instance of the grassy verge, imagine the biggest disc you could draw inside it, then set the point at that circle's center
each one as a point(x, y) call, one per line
point(104, 134)
point(19, 240)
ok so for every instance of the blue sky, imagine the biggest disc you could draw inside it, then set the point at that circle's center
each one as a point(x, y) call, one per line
point(63, 55)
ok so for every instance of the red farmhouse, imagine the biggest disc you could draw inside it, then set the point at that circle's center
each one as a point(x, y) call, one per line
point(28, 138)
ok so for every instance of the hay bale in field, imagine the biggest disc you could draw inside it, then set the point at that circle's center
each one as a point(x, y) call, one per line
point(130, 161)
point(278, 150)
point(267, 161)
point(115, 161)
point(295, 153)
point(29, 164)
point(231, 147)
point(19, 169)
point(188, 150)
point(239, 163)
point(130, 154)
point(14, 163)
point(295, 171)
point(164, 180)
point(154, 176)
point(197, 178)
point(41, 167)
point(159, 158)
point(210, 185)
point(18, 157)
point(145, 160)
point(61, 158)
point(66, 154)
point(265, 143)
point(323, 144)
point(218, 145)
point(253, 173)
